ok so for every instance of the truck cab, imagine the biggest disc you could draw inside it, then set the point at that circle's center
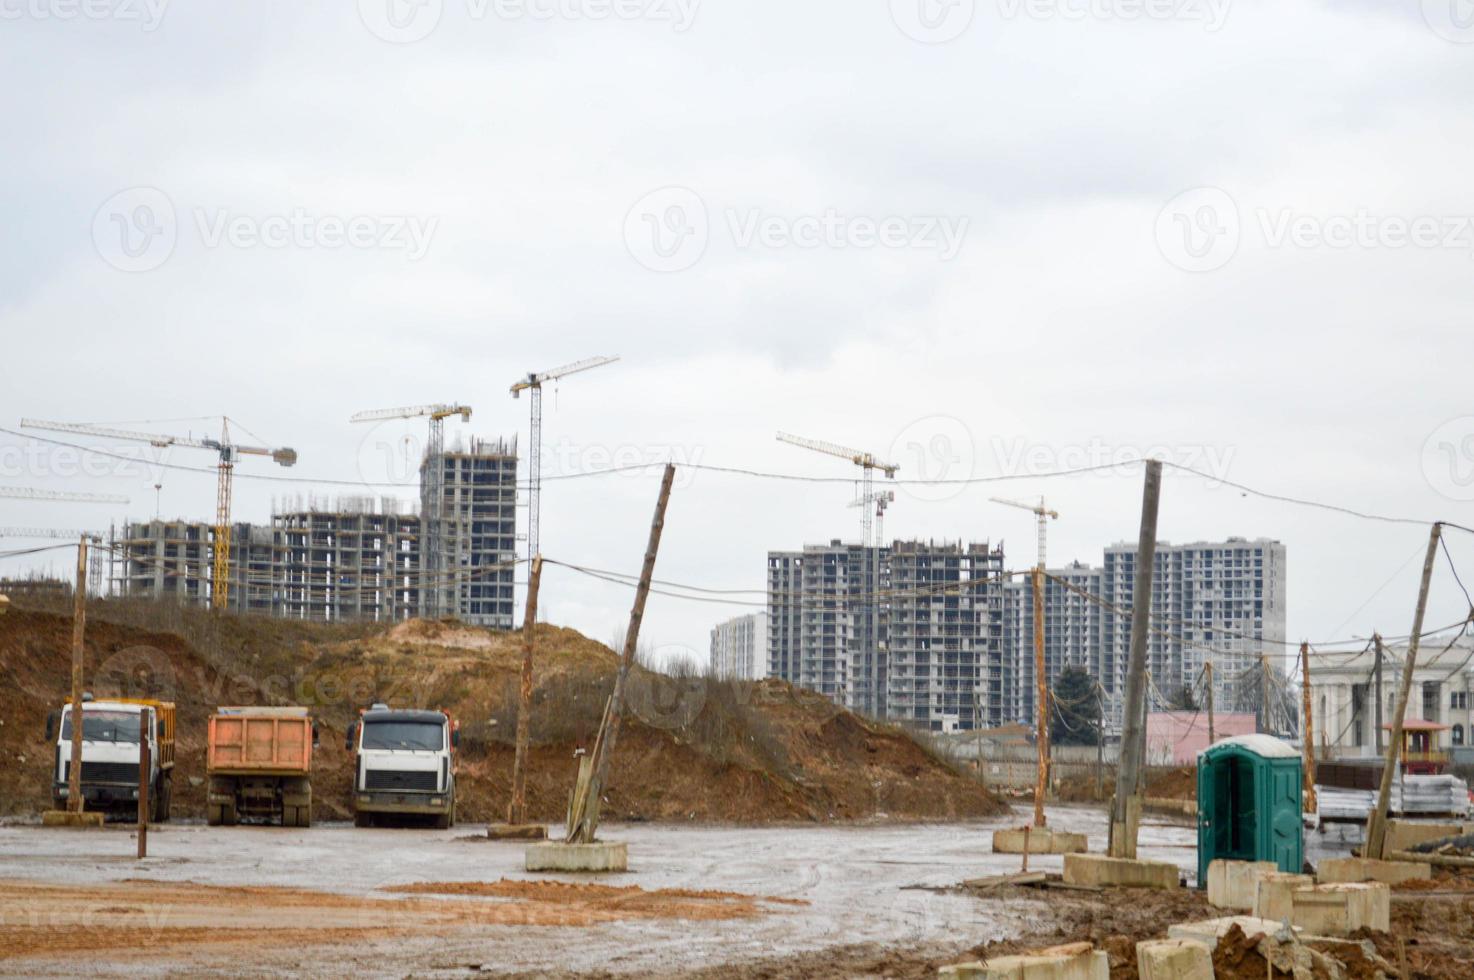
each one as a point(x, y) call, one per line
point(404, 764)
point(110, 752)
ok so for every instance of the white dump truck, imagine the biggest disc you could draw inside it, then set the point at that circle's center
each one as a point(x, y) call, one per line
point(404, 765)
point(110, 754)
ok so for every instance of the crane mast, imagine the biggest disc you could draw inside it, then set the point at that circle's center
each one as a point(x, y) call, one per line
point(534, 383)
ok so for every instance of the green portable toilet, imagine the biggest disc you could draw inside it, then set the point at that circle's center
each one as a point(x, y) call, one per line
point(1249, 803)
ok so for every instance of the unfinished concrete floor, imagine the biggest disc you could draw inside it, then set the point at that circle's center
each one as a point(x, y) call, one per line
point(722, 895)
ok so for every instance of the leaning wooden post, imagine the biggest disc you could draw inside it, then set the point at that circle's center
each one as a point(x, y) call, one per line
point(1307, 729)
point(145, 763)
point(79, 629)
point(517, 812)
point(588, 824)
point(1377, 823)
point(1133, 735)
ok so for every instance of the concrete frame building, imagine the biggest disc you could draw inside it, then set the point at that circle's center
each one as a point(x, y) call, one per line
point(350, 559)
point(739, 647)
point(938, 658)
point(945, 668)
point(1072, 634)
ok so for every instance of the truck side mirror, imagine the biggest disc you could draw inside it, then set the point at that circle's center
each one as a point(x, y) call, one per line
point(316, 742)
point(53, 721)
point(455, 738)
point(348, 736)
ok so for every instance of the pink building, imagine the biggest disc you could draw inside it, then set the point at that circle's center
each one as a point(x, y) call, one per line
point(1174, 738)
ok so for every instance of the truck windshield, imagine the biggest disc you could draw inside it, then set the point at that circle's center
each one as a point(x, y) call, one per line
point(104, 726)
point(424, 736)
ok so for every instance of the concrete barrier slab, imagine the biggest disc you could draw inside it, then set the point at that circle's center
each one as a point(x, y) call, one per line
point(1174, 959)
point(1272, 894)
point(1341, 909)
point(601, 857)
point(1076, 962)
point(1041, 840)
point(1233, 884)
point(1404, 835)
point(1097, 869)
point(1340, 870)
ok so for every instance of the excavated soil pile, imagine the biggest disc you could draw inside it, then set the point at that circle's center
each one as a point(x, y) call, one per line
point(690, 749)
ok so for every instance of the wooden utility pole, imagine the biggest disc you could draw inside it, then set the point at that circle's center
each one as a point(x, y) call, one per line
point(517, 812)
point(1099, 742)
point(1041, 711)
point(1377, 823)
point(1212, 735)
point(145, 763)
point(1377, 670)
point(1307, 729)
point(79, 629)
point(585, 825)
point(1126, 808)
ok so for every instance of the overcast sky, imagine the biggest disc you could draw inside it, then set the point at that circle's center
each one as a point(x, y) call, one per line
point(985, 238)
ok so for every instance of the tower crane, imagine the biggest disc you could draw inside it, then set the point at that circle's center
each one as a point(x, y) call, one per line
point(534, 383)
point(1043, 513)
point(434, 563)
point(94, 574)
point(1041, 679)
point(868, 464)
point(881, 499)
point(228, 453)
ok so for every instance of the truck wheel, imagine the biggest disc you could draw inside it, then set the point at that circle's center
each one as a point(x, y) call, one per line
point(361, 819)
point(214, 814)
point(167, 803)
point(304, 816)
point(230, 815)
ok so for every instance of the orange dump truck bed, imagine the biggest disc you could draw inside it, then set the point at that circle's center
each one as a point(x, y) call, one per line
point(260, 740)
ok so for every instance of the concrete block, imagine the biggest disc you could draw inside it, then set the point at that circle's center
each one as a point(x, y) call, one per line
point(66, 818)
point(1097, 869)
point(517, 831)
point(1079, 961)
point(1174, 959)
point(1272, 894)
point(1042, 840)
point(1233, 884)
point(598, 857)
point(1403, 835)
point(1343, 908)
point(1339, 870)
point(1209, 931)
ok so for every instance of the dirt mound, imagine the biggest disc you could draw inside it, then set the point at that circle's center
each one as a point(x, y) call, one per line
point(691, 749)
point(1165, 784)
